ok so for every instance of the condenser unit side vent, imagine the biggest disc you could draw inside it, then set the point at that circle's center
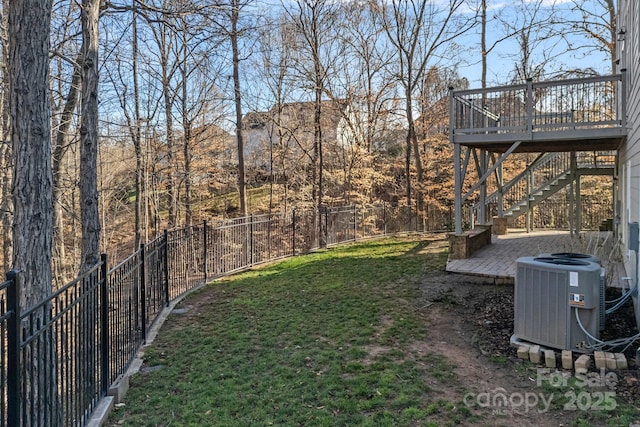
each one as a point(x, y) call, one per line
point(539, 305)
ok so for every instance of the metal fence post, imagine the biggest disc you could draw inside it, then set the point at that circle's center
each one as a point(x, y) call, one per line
point(355, 223)
point(251, 243)
point(204, 248)
point(143, 293)
point(326, 226)
point(293, 233)
point(13, 350)
point(384, 218)
point(167, 294)
point(270, 224)
point(104, 317)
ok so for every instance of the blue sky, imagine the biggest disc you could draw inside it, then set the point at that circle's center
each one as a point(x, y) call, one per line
point(501, 60)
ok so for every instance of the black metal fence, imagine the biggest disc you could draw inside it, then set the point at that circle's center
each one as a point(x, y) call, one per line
point(59, 357)
point(555, 213)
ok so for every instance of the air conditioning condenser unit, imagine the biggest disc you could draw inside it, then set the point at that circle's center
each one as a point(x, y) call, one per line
point(557, 302)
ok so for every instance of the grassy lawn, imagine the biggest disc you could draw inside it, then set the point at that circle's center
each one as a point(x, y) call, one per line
point(318, 340)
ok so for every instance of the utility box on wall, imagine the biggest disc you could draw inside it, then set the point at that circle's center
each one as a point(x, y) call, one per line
point(557, 302)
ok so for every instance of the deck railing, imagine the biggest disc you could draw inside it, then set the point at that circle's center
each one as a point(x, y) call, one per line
point(553, 106)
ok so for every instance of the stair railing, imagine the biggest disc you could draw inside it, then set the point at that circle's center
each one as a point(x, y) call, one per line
point(539, 173)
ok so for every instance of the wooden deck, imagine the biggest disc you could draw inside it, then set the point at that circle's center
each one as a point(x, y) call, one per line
point(564, 115)
point(497, 261)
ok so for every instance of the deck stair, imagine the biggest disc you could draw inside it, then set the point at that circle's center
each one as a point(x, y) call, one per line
point(579, 117)
point(544, 177)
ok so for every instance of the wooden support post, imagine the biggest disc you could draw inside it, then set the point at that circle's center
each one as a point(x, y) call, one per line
point(458, 188)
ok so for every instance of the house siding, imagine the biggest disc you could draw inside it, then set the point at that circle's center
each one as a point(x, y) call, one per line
point(296, 122)
point(629, 152)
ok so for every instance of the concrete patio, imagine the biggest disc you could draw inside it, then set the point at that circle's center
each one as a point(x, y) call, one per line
point(497, 261)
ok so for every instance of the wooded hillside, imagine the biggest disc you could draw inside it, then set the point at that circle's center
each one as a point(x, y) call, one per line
point(209, 110)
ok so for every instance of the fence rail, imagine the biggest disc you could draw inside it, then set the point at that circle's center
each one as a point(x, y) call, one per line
point(59, 357)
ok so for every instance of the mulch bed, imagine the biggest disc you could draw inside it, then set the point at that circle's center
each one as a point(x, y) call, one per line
point(493, 312)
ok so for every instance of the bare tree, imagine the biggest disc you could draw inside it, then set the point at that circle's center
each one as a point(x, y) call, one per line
point(63, 140)
point(546, 35)
point(199, 77)
point(272, 67)
point(232, 23)
point(420, 31)
point(234, 34)
point(365, 84)
point(597, 26)
point(312, 24)
point(65, 83)
point(483, 42)
point(128, 66)
point(187, 121)
point(89, 215)
point(531, 33)
point(200, 34)
point(508, 32)
point(164, 37)
point(134, 125)
point(89, 137)
point(371, 77)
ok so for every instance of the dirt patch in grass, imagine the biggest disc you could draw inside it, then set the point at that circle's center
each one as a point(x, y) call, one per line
point(371, 334)
point(470, 324)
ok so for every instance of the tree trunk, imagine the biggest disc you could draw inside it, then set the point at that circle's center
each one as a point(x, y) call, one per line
point(89, 215)
point(59, 151)
point(613, 33)
point(188, 186)
point(30, 118)
point(317, 137)
point(172, 188)
point(407, 168)
point(31, 138)
point(412, 139)
point(90, 218)
point(242, 186)
point(483, 43)
point(137, 138)
point(187, 127)
point(318, 162)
